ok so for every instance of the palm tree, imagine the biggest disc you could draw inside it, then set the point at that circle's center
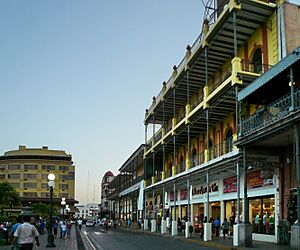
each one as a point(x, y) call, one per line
point(8, 195)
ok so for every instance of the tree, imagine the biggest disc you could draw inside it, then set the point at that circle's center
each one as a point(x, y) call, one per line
point(8, 195)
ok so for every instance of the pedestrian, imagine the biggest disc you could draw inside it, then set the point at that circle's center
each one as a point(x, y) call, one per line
point(179, 225)
point(54, 227)
point(13, 230)
point(79, 222)
point(25, 234)
point(69, 227)
point(129, 223)
point(225, 226)
point(217, 226)
point(63, 229)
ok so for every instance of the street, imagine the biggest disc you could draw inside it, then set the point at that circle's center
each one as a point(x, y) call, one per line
point(113, 239)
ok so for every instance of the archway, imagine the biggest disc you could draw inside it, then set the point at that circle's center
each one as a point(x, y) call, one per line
point(257, 61)
point(228, 141)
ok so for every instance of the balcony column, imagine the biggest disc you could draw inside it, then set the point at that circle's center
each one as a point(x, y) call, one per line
point(146, 128)
point(234, 33)
point(236, 227)
point(188, 222)
point(207, 226)
point(153, 154)
point(295, 232)
point(163, 219)
point(292, 83)
point(174, 221)
point(207, 136)
point(236, 110)
point(188, 107)
point(174, 135)
point(245, 229)
point(163, 143)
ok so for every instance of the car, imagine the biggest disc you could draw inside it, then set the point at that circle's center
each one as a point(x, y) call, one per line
point(89, 223)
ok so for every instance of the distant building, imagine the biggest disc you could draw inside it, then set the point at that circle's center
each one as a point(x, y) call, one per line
point(88, 210)
point(26, 169)
point(105, 206)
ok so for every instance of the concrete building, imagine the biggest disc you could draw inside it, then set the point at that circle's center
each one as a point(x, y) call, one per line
point(27, 169)
point(192, 163)
point(105, 206)
point(87, 210)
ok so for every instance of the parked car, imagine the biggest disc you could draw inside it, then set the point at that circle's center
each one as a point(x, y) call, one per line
point(90, 223)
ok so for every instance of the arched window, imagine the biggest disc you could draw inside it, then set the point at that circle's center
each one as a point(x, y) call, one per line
point(228, 141)
point(170, 169)
point(181, 164)
point(194, 158)
point(257, 61)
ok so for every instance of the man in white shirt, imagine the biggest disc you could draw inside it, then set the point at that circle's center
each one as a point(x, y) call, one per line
point(25, 234)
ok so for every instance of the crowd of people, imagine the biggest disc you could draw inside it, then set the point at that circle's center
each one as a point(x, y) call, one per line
point(24, 231)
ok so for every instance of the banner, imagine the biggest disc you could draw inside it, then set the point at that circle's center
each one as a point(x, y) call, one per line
point(230, 185)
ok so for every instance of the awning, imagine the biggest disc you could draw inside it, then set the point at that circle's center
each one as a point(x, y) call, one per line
point(270, 74)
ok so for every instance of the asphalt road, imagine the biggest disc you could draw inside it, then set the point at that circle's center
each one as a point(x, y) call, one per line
point(113, 239)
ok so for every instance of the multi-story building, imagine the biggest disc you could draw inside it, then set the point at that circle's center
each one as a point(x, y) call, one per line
point(27, 170)
point(127, 189)
point(105, 206)
point(88, 210)
point(192, 165)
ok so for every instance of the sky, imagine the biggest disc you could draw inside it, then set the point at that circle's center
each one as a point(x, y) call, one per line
point(78, 75)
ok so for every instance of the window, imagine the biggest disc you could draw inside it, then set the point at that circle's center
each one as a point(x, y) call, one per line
point(30, 167)
point(14, 176)
point(14, 167)
point(2, 176)
point(44, 176)
point(45, 195)
point(15, 185)
point(65, 195)
point(228, 141)
point(63, 186)
point(262, 215)
point(64, 168)
point(30, 176)
point(257, 61)
point(44, 185)
point(48, 167)
point(30, 194)
point(2, 167)
point(64, 177)
point(30, 185)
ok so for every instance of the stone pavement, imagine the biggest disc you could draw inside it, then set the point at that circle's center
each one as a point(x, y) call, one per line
point(60, 244)
point(218, 243)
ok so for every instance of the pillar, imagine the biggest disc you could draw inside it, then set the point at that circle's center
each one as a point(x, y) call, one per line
point(174, 221)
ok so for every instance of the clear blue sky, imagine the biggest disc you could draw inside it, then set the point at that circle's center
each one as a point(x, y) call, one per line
point(78, 75)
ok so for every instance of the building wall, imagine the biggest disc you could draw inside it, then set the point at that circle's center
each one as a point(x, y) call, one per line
point(29, 176)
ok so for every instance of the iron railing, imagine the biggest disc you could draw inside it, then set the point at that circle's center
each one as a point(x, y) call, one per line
point(195, 161)
point(253, 67)
point(197, 101)
point(270, 114)
point(180, 167)
point(220, 78)
point(219, 149)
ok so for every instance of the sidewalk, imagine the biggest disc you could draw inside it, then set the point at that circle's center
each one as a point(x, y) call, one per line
point(59, 243)
point(218, 243)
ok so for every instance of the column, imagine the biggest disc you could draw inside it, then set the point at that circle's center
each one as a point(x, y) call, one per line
point(295, 229)
point(145, 213)
point(236, 226)
point(222, 217)
point(174, 221)
point(163, 220)
point(207, 226)
point(188, 221)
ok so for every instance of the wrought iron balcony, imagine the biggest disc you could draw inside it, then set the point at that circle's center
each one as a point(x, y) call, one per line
point(270, 114)
point(222, 148)
point(180, 167)
point(195, 161)
point(219, 78)
point(252, 67)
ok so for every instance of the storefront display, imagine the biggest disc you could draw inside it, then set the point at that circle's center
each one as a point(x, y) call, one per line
point(262, 215)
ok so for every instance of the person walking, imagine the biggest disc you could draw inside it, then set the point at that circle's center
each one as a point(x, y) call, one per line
point(26, 234)
point(225, 226)
point(13, 230)
point(217, 226)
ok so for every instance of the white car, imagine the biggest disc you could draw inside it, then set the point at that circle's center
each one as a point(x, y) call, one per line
point(89, 223)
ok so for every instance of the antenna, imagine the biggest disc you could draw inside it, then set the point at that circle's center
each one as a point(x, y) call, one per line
point(88, 186)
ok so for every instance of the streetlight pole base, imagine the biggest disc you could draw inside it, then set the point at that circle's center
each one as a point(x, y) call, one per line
point(50, 241)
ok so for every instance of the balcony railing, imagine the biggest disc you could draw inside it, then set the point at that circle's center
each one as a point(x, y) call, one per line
point(249, 66)
point(197, 101)
point(195, 161)
point(219, 149)
point(180, 167)
point(270, 114)
point(220, 78)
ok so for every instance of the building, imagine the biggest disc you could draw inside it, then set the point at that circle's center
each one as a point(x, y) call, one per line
point(27, 169)
point(88, 210)
point(270, 130)
point(105, 206)
point(192, 163)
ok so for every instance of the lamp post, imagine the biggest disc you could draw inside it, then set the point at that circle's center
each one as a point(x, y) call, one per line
point(51, 184)
point(63, 203)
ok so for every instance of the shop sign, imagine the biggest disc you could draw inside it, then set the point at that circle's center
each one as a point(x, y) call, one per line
point(230, 185)
point(203, 189)
point(256, 179)
point(183, 194)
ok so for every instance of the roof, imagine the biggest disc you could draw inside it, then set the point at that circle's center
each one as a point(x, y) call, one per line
point(108, 173)
point(270, 74)
point(139, 150)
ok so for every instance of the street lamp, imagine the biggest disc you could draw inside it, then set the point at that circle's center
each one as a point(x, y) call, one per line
point(63, 203)
point(51, 184)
